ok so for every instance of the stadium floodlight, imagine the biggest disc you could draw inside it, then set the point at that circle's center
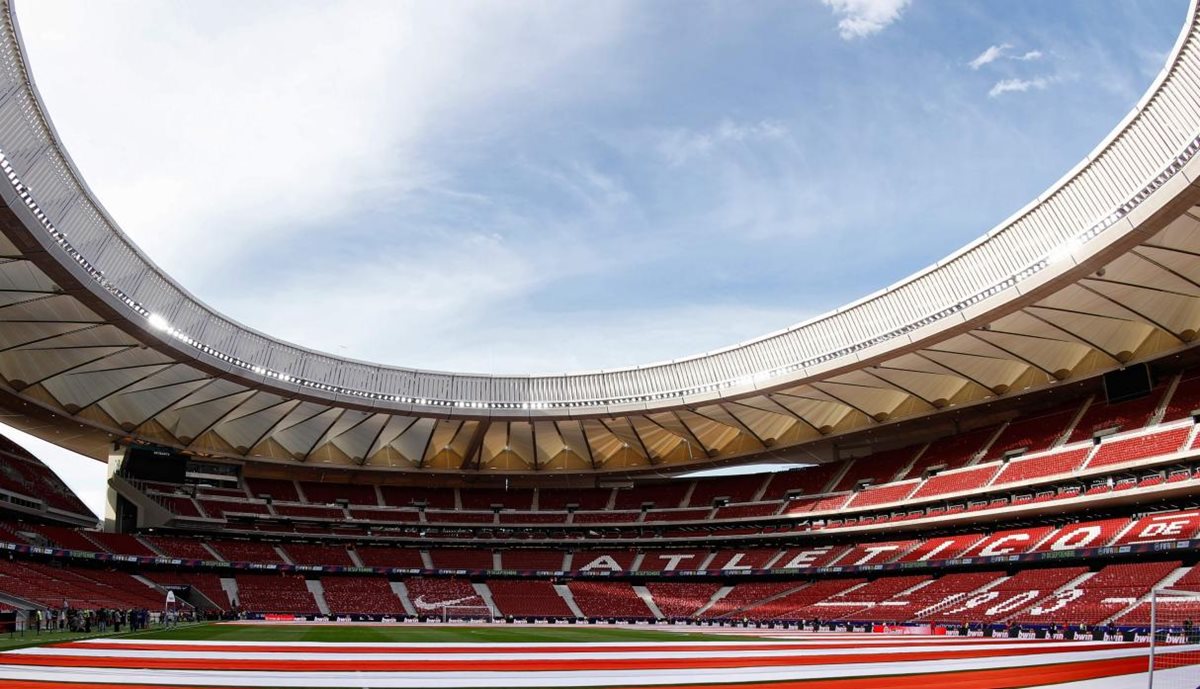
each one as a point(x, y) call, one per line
point(158, 322)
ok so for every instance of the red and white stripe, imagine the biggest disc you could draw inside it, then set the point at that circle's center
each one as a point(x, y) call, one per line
point(850, 661)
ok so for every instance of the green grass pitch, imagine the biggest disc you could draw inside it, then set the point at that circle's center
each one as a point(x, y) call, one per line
point(425, 634)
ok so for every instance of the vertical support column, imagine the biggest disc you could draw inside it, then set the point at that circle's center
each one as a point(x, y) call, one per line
point(116, 456)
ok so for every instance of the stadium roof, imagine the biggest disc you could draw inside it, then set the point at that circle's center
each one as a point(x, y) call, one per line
point(1098, 271)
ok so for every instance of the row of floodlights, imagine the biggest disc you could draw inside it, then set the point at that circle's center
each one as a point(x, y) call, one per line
point(160, 323)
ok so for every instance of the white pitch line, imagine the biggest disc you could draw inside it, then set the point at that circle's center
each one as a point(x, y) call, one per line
point(250, 654)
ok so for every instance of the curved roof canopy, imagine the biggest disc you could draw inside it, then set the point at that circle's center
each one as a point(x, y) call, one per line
point(1098, 271)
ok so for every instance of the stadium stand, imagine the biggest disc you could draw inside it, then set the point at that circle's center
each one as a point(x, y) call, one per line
point(431, 596)
point(681, 600)
point(386, 556)
point(1123, 416)
point(600, 599)
point(314, 554)
point(515, 598)
point(361, 595)
point(245, 551)
point(881, 467)
point(209, 585)
point(275, 593)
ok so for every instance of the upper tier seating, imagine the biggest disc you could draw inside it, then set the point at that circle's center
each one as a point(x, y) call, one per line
point(732, 488)
point(878, 468)
point(951, 452)
point(879, 495)
point(688, 515)
point(662, 496)
point(536, 560)
point(805, 481)
point(605, 517)
point(312, 554)
point(747, 510)
point(525, 598)
point(277, 489)
point(1126, 416)
point(1061, 462)
point(120, 543)
point(582, 498)
point(309, 511)
point(533, 517)
point(329, 493)
point(275, 593)
point(460, 517)
point(221, 509)
point(1186, 398)
point(679, 599)
point(389, 556)
point(461, 559)
point(1123, 450)
point(24, 474)
point(608, 599)
point(485, 499)
point(405, 496)
point(386, 515)
point(62, 537)
point(942, 548)
point(825, 504)
point(956, 481)
point(178, 505)
point(245, 551)
point(1033, 433)
point(188, 548)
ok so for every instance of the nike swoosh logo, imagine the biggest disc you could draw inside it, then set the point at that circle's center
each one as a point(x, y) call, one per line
point(422, 604)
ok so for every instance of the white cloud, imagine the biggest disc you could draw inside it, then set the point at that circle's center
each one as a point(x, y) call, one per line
point(678, 146)
point(1001, 51)
point(989, 56)
point(294, 115)
point(861, 18)
point(1019, 86)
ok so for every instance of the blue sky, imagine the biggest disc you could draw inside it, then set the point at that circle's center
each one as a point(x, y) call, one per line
point(521, 187)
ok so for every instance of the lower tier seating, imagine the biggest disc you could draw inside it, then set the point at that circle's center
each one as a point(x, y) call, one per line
point(274, 593)
point(361, 595)
point(677, 600)
point(523, 598)
point(608, 599)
